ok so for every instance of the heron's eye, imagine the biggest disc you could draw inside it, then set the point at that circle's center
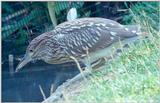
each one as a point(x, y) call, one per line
point(31, 50)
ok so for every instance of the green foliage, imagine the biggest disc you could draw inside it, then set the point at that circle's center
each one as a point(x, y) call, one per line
point(9, 29)
point(140, 10)
point(22, 37)
point(21, 21)
point(60, 6)
point(6, 8)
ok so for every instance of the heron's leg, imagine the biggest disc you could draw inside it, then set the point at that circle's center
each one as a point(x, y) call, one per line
point(88, 67)
point(87, 71)
point(87, 62)
point(83, 73)
point(102, 61)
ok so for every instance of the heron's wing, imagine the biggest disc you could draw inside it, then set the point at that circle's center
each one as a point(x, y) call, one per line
point(77, 37)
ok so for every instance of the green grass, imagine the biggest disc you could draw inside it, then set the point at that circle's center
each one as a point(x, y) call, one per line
point(133, 77)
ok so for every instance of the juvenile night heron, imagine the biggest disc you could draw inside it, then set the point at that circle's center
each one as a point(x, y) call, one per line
point(77, 37)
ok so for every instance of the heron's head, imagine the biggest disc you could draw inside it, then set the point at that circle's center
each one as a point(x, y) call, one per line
point(35, 51)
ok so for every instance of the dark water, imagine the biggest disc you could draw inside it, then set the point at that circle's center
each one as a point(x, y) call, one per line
point(24, 86)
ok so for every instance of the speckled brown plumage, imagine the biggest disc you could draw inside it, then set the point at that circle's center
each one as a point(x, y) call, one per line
point(74, 38)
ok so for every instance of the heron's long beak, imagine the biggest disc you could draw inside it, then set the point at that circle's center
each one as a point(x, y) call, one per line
point(26, 59)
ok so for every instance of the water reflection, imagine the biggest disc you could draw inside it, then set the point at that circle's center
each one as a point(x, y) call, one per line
point(24, 86)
